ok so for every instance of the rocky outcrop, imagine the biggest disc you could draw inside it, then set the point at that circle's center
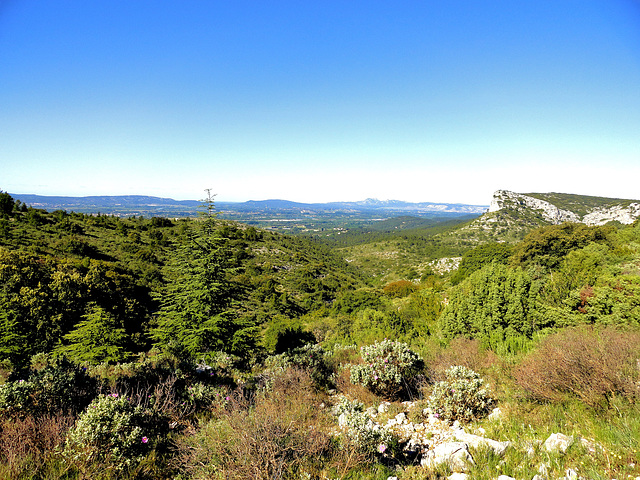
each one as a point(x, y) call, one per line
point(619, 213)
point(624, 212)
point(551, 213)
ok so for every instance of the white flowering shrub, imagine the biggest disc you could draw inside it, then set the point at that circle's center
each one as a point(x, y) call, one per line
point(389, 368)
point(462, 396)
point(111, 432)
point(361, 430)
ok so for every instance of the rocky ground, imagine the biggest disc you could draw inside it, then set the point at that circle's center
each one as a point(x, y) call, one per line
point(434, 441)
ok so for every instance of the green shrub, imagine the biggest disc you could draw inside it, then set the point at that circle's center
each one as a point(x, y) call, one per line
point(360, 430)
point(389, 368)
point(112, 433)
point(310, 358)
point(400, 289)
point(50, 387)
point(462, 396)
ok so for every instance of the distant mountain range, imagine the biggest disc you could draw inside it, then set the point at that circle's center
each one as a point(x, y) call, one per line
point(147, 205)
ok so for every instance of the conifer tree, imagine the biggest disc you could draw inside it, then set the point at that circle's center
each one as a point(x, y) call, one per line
point(196, 314)
point(98, 338)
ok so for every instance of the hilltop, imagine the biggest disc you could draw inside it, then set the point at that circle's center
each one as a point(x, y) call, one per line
point(512, 215)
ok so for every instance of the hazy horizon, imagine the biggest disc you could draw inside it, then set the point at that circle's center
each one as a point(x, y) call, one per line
point(415, 101)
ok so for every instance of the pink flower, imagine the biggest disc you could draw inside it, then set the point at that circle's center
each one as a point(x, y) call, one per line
point(382, 448)
point(145, 439)
point(114, 395)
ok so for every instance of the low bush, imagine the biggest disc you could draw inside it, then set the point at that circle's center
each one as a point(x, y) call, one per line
point(112, 435)
point(47, 388)
point(589, 364)
point(311, 358)
point(461, 351)
point(462, 396)
point(360, 431)
point(389, 368)
point(275, 434)
point(399, 289)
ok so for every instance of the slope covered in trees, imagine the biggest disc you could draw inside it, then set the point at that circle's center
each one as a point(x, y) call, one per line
point(216, 343)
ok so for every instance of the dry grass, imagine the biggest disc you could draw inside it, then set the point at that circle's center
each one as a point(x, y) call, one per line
point(592, 365)
point(465, 352)
point(26, 444)
point(267, 436)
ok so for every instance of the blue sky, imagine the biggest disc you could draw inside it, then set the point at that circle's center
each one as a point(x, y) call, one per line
point(320, 101)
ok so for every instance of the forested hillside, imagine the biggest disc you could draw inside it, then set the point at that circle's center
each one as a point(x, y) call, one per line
point(222, 346)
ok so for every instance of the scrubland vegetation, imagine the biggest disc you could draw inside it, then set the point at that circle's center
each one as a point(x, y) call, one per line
point(198, 348)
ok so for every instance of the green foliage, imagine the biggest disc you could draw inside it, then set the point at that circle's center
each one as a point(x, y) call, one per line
point(6, 203)
point(547, 246)
point(480, 256)
point(98, 338)
point(112, 434)
point(461, 396)
point(389, 368)
point(351, 301)
point(493, 303)
point(400, 289)
point(359, 429)
point(47, 388)
point(283, 334)
point(196, 315)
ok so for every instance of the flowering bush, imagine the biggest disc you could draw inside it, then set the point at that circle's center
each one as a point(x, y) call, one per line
point(462, 396)
point(360, 429)
point(111, 432)
point(389, 368)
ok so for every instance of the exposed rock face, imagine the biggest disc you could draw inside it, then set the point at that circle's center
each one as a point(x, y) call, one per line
point(550, 212)
point(625, 214)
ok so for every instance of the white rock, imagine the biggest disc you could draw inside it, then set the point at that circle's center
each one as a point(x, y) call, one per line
point(401, 418)
point(458, 476)
point(476, 441)
point(342, 420)
point(505, 477)
point(495, 415)
point(557, 442)
point(455, 454)
point(383, 407)
point(539, 477)
point(543, 469)
point(571, 474)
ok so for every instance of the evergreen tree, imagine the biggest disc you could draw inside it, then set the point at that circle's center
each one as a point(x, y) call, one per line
point(196, 315)
point(98, 338)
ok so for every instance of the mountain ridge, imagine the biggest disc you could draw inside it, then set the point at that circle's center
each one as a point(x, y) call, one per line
point(94, 204)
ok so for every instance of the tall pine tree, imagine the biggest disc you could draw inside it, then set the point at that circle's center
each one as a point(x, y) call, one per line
point(196, 315)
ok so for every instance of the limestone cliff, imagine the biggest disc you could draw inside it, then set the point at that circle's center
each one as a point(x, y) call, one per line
point(583, 209)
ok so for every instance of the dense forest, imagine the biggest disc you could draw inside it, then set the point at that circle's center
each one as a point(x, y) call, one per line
point(158, 348)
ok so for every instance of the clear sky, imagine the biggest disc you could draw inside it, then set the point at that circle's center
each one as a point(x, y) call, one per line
point(425, 100)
